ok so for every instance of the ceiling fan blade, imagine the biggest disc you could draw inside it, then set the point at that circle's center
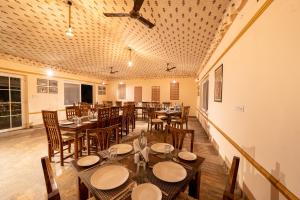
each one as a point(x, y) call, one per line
point(116, 14)
point(146, 22)
point(137, 5)
point(172, 68)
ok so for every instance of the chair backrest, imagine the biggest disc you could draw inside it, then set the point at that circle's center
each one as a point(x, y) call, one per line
point(72, 111)
point(185, 112)
point(231, 181)
point(178, 136)
point(51, 185)
point(166, 104)
point(119, 103)
point(107, 103)
point(84, 109)
point(50, 120)
point(151, 113)
point(103, 117)
point(114, 117)
point(104, 135)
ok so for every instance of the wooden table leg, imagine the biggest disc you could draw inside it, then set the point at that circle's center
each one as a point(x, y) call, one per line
point(76, 145)
point(83, 191)
point(194, 186)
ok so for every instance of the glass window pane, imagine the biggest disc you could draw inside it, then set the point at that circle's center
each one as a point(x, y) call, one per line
point(4, 95)
point(15, 83)
point(15, 96)
point(71, 93)
point(16, 121)
point(4, 123)
point(4, 109)
point(3, 82)
point(16, 108)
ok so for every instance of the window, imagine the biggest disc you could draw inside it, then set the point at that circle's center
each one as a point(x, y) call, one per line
point(138, 94)
point(174, 91)
point(122, 91)
point(155, 96)
point(71, 93)
point(205, 89)
point(101, 90)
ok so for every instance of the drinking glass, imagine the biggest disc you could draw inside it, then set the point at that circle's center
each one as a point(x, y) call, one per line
point(112, 154)
point(141, 171)
point(167, 151)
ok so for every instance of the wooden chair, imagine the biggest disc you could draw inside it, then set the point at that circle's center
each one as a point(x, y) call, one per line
point(183, 119)
point(114, 116)
point(231, 181)
point(105, 136)
point(145, 106)
point(52, 190)
point(152, 120)
point(103, 117)
point(72, 111)
point(166, 105)
point(108, 103)
point(178, 136)
point(124, 122)
point(84, 109)
point(56, 141)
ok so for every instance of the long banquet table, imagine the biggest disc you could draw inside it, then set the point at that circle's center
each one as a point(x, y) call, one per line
point(172, 189)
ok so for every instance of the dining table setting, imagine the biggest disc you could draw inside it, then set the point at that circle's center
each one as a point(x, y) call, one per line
point(142, 167)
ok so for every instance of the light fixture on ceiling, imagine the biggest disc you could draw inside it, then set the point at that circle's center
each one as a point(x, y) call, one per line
point(49, 72)
point(174, 81)
point(69, 32)
point(130, 63)
point(121, 82)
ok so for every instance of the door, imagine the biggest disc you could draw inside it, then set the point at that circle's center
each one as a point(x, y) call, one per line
point(10, 103)
point(87, 93)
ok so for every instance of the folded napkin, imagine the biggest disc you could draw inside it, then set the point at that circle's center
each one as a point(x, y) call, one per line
point(136, 145)
point(145, 153)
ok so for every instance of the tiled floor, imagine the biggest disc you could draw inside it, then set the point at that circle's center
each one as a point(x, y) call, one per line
point(21, 175)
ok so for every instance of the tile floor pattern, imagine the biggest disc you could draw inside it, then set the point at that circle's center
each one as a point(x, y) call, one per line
point(21, 176)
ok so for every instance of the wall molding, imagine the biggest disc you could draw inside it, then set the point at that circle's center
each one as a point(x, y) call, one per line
point(275, 182)
point(261, 10)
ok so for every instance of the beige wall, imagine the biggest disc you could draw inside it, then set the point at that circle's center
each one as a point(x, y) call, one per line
point(187, 90)
point(262, 75)
point(34, 102)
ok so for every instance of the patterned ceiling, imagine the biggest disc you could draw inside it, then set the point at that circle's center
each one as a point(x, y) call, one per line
point(185, 35)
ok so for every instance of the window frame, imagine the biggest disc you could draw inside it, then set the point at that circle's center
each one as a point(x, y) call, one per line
point(204, 102)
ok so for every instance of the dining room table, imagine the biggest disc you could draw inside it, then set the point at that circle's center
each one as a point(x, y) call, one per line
point(169, 113)
point(170, 190)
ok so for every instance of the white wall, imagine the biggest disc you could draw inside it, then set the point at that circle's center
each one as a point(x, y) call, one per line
point(261, 74)
point(187, 90)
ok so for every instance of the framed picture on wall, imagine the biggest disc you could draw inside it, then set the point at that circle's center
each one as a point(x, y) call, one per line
point(53, 90)
point(42, 89)
point(218, 84)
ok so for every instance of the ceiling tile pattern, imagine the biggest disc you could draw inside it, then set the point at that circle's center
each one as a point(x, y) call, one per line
point(186, 34)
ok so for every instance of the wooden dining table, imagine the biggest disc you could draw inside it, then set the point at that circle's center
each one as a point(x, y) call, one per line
point(170, 190)
point(169, 114)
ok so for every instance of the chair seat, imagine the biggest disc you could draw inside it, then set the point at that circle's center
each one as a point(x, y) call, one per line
point(72, 134)
point(162, 117)
point(66, 138)
point(157, 121)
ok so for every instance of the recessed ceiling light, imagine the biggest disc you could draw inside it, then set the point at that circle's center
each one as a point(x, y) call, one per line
point(49, 72)
point(69, 32)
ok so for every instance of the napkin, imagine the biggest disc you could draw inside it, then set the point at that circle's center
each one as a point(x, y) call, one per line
point(136, 145)
point(145, 153)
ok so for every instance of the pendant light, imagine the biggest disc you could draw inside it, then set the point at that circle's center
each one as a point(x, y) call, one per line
point(69, 32)
point(130, 63)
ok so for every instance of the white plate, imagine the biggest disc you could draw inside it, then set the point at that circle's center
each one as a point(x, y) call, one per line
point(93, 120)
point(186, 155)
point(109, 177)
point(146, 191)
point(88, 161)
point(169, 171)
point(66, 123)
point(160, 147)
point(122, 148)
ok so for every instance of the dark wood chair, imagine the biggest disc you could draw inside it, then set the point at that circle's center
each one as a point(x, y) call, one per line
point(231, 181)
point(72, 111)
point(178, 136)
point(106, 136)
point(119, 103)
point(166, 105)
point(145, 106)
point(57, 141)
point(124, 122)
point(179, 122)
point(52, 190)
point(114, 116)
point(107, 103)
point(152, 120)
point(84, 109)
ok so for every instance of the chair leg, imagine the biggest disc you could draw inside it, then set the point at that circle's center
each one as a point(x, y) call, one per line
point(69, 147)
point(88, 144)
point(50, 152)
point(80, 147)
point(61, 152)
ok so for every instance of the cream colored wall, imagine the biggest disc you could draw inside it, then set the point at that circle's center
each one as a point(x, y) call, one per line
point(262, 75)
point(34, 102)
point(187, 90)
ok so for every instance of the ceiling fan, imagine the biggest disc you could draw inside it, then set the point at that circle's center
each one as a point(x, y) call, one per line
point(134, 13)
point(113, 72)
point(169, 69)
